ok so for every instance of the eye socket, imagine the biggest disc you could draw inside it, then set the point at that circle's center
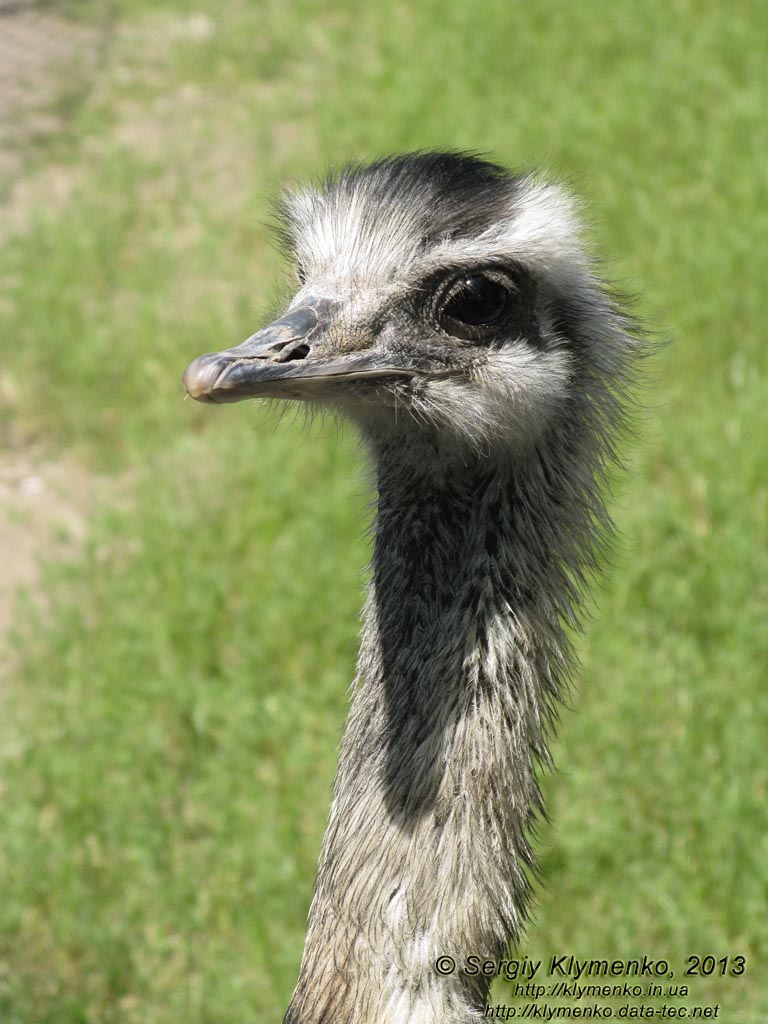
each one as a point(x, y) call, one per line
point(475, 300)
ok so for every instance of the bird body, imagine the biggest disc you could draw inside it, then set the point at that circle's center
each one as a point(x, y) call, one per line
point(450, 310)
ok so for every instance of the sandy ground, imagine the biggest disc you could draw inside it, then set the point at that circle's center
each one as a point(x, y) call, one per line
point(44, 509)
point(38, 51)
point(45, 501)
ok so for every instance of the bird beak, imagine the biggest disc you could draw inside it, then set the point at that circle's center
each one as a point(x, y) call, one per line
point(287, 359)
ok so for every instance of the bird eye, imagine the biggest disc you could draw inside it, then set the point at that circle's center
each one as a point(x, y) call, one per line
point(476, 301)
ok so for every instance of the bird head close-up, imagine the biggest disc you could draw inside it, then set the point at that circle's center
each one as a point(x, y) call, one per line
point(438, 295)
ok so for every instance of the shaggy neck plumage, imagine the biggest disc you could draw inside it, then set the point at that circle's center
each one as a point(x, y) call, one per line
point(462, 660)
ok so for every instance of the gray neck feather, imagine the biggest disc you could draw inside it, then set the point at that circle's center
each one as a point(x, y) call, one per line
point(477, 565)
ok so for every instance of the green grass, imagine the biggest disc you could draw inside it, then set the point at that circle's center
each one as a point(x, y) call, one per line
point(168, 737)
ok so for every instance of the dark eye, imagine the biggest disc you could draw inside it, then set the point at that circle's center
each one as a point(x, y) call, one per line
point(476, 301)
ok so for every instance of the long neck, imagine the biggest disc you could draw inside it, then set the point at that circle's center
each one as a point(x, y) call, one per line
point(462, 660)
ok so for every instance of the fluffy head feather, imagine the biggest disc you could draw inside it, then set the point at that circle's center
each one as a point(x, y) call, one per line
point(384, 242)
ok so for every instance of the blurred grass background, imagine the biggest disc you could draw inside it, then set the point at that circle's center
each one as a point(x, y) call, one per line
point(170, 720)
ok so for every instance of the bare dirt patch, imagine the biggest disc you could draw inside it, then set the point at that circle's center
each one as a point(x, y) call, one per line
point(41, 56)
point(44, 510)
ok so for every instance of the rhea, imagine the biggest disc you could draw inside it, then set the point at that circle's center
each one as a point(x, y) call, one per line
point(451, 310)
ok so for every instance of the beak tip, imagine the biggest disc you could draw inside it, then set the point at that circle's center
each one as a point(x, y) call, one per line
point(200, 377)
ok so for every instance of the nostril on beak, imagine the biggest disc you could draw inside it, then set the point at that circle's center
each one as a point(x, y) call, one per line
point(286, 351)
point(298, 352)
